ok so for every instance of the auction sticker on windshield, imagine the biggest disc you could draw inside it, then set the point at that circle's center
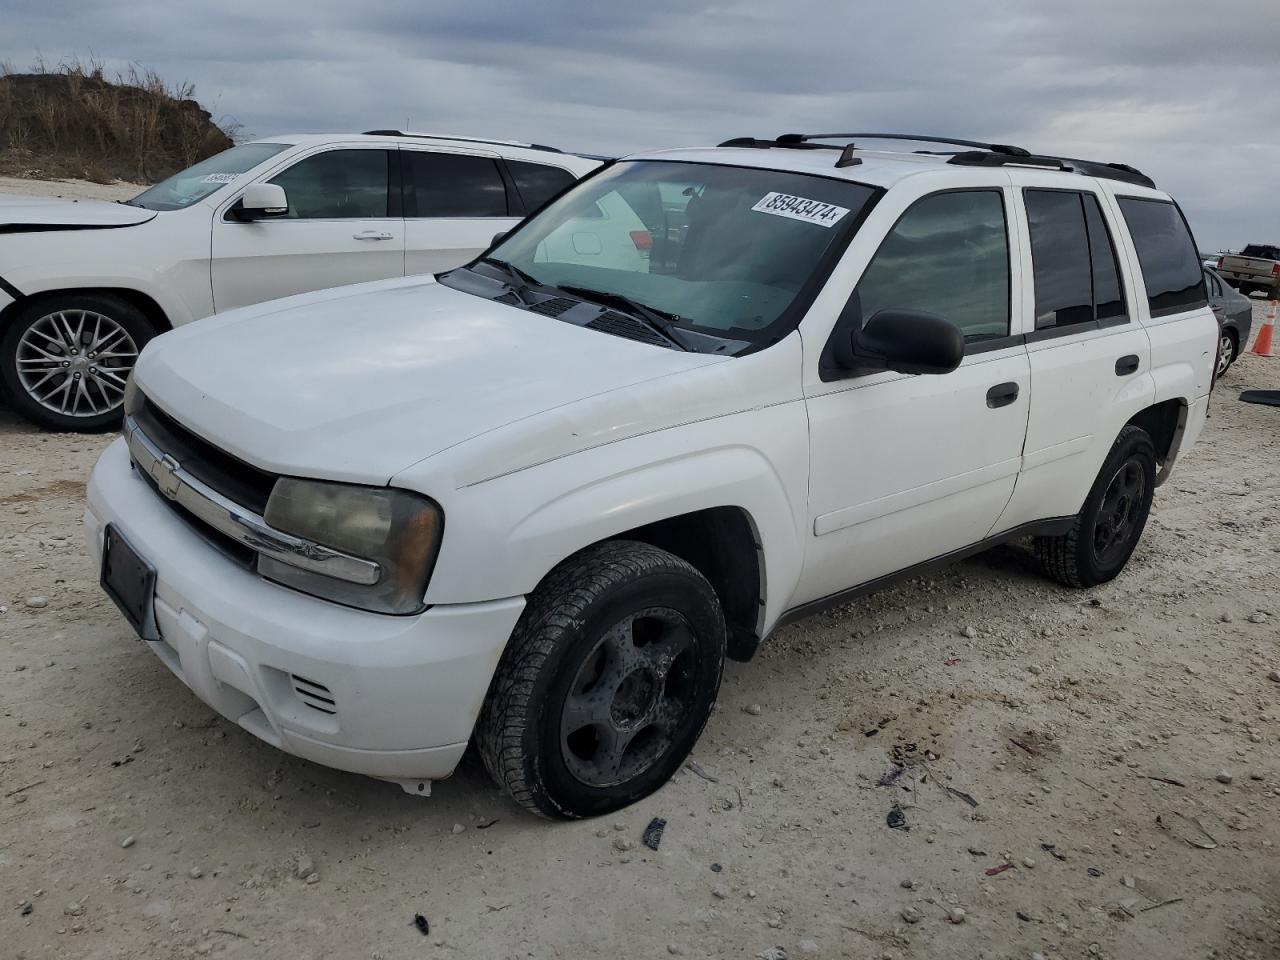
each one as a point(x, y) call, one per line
point(798, 208)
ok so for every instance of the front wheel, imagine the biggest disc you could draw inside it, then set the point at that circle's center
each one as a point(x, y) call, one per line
point(64, 360)
point(606, 682)
point(1107, 528)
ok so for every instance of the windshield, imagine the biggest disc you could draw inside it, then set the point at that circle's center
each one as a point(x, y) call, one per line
point(195, 183)
point(719, 249)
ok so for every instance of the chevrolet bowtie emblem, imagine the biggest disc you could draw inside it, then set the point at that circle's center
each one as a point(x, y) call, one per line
point(165, 474)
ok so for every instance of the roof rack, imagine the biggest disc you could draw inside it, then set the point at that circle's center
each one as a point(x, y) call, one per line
point(444, 136)
point(979, 154)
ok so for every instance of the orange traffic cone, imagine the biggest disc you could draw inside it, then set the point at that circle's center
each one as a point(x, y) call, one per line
point(1262, 346)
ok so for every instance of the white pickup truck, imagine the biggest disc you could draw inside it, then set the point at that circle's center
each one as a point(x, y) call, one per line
point(535, 501)
point(85, 284)
point(1255, 268)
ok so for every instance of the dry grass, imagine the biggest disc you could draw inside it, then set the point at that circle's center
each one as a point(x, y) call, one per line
point(71, 120)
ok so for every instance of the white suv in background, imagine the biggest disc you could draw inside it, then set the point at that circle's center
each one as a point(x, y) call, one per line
point(85, 284)
point(536, 501)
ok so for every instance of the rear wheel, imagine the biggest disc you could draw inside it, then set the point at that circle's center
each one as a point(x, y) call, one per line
point(606, 683)
point(64, 360)
point(1226, 351)
point(1108, 527)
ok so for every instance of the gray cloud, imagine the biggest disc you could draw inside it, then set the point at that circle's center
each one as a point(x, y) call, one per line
point(1180, 89)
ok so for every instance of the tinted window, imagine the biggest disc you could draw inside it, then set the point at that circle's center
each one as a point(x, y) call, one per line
point(949, 255)
point(1170, 265)
point(1261, 251)
point(538, 182)
point(1215, 288)
point(340, 184)
point(1108, 296)
point(454, 185)
point(1060, 257)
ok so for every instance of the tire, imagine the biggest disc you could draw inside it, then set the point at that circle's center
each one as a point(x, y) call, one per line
point(47, 360)
point(1227, 352)
point(1108, 527)
point(582, 717)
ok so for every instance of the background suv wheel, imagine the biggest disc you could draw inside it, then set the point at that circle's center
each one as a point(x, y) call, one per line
point(64, 360)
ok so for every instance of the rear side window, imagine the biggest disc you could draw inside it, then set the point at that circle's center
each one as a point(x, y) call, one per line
point(452, 185)
point(1167, 255)
point(1077, 276)
point(337, 185)
point(949, 255)
point(538, 182)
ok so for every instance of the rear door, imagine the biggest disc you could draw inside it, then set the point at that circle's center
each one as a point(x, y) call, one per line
point(343, 226)
point(1090, 358)
point(455, 202)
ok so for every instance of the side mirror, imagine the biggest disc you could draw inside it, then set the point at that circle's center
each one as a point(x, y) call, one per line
point(907, 341)
point(498, 238)
point(261, 200)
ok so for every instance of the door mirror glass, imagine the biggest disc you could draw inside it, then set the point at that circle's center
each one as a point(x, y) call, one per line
point(907, 341)
point(263, 200)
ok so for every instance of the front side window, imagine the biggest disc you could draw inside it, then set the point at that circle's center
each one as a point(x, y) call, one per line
point(1170, 265)
point(337, 185)
point(454, 185)
point(947, 255)
point(195, 183)
point(538, 182)
point(719, 249)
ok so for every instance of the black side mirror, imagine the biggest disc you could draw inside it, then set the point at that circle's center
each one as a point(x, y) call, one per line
point(498, 238)
point(907, 341)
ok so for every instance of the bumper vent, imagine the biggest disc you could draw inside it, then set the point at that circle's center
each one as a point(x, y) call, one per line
point(314, 695)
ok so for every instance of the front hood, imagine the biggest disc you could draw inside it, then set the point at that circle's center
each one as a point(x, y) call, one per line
point(54, 213)
point(357, 385)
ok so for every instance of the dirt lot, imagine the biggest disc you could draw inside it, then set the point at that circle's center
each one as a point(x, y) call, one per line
point(1080, 737)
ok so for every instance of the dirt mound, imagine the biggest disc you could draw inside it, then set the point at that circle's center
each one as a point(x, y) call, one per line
point(74, 122)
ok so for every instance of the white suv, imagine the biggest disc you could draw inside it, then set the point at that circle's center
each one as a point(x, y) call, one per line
point(536, 501)
point(85, 284)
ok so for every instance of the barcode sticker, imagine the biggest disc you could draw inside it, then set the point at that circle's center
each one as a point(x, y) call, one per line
point(799, 208)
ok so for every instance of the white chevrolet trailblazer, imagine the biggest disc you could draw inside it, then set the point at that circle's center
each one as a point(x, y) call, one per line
point(535, 501)
point(85, 284)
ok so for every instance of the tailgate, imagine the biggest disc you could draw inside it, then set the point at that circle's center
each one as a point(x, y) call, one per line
point(1250, 265)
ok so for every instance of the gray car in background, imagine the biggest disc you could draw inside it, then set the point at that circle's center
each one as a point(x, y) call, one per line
point(1235, 318)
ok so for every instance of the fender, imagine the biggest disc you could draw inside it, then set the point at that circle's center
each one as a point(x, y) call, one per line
point(538, 521)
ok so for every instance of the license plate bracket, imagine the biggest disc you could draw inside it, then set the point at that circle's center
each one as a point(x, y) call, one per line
point(130, 581)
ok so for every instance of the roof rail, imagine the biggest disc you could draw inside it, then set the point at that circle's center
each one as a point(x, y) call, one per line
point(1089, 168)
point(980, 154)
point(445, 136)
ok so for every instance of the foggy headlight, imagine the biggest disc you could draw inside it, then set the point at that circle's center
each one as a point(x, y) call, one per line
point(132, 398)
point(397, 530)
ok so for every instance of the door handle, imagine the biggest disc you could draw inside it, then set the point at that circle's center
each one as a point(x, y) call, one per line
point(1127, 365)
point(372, 235)
point(1002, 394)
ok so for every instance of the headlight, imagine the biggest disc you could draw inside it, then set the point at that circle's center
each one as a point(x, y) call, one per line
point(397, 530)
point(132, 397)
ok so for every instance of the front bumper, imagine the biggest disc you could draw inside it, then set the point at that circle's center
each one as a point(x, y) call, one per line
point(387, 696)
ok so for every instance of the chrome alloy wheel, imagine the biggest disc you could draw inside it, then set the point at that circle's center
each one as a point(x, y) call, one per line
point(1225, 349)
point(76, 362)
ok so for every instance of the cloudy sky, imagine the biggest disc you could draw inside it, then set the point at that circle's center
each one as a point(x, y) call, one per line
point(1186, 91)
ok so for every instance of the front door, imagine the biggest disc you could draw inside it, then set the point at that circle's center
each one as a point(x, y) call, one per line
point(903, 468)
point(343, 226)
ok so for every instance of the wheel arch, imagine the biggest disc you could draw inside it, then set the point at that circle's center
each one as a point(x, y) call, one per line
point(1166, 422)
point(143, 302)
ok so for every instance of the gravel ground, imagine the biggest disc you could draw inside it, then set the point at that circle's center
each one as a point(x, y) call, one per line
point(1082, 773)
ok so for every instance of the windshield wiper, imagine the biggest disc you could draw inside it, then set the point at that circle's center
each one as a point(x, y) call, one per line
point(655, 320)
point(517, 279)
